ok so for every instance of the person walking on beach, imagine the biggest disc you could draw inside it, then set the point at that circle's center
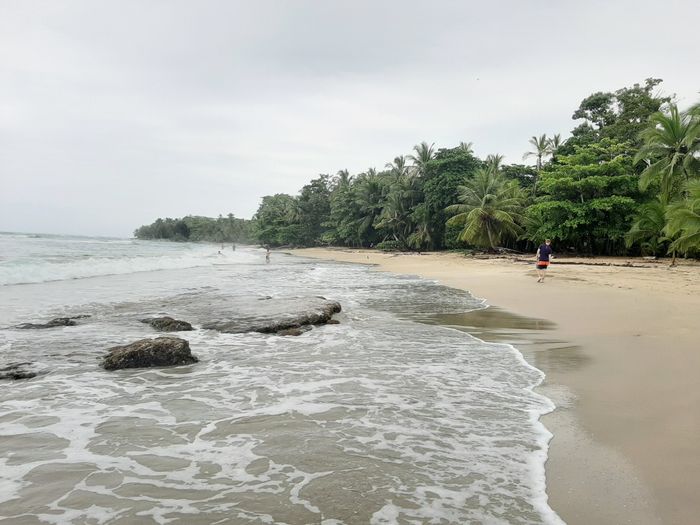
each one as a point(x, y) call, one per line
point(267, 255)
point(544, 252)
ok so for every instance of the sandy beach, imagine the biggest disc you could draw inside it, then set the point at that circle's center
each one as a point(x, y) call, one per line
point(617, 341)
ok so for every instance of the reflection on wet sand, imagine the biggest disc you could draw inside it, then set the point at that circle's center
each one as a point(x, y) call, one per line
point(532, 336)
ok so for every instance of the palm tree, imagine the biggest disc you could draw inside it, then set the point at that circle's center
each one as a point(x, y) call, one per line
point(670, 149)
point(555, 142)
point(541, 148)
point(466, 147)
point(343, 179)
point(369, 199)
point(422, 236)
point(494, 162)
point(398, 168)
point(683, 221)
point(648, 227)
point(491, 209)
point(402, 196)
point(424, 154)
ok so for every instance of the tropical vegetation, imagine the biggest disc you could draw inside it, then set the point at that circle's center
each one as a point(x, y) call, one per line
point(625, 181)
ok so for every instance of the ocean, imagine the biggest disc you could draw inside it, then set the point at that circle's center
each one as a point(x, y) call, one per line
point(384, 418)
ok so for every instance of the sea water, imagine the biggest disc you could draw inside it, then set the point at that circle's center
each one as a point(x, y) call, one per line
point(380, 419)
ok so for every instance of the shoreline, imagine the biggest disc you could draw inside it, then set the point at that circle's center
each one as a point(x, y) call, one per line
point(615, 340)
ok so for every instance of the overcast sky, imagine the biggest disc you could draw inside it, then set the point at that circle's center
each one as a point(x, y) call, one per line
point(115, 113)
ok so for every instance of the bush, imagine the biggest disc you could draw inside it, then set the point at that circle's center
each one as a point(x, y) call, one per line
point(389, 246)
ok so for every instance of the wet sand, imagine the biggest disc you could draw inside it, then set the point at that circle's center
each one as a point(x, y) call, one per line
point(622, 357)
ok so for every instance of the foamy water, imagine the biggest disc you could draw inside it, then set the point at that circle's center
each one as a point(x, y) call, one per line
point(380, 419)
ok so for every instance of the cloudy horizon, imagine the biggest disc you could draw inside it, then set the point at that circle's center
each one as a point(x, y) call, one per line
point(115, 113)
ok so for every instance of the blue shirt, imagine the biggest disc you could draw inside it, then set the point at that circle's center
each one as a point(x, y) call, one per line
point(545, 252)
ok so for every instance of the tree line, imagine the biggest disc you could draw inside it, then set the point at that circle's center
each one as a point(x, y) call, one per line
point(626, 181)
point(195, 228)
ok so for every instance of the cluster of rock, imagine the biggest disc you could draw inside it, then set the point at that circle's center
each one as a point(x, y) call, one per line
point(285, 316)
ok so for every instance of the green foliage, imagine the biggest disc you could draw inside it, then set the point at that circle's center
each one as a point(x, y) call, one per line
point(647, 228)
point(589, 199)
point(194, 228)
point(314, 207)
point(584, 192)
point(618, 116)
point(444, 174)
point(490, 210)
point(683, 221)
point(277, 221)
point(670, 150)
point(390, 246)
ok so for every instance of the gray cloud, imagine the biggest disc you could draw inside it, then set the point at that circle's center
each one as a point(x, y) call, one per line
point(115, 113)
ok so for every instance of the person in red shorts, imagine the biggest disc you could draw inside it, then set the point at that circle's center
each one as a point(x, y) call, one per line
point(544, 252)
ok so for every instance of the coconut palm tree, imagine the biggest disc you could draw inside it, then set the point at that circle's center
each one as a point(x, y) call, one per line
point(541, 148)
point(490, 210)
point(424, 154)
point(466, 147)
point(369, 199)
point(343, 179)
point(494, 162)
point(670, 149)
point(683, 221)
point(555, 142)
point(648, 227)
point(398, 168)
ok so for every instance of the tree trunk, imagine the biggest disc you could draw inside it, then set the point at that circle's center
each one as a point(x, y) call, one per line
point(488, 231)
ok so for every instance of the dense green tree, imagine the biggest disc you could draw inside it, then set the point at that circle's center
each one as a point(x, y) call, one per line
point(195, 228)
point(525, 175)
point(589, 199)
point(314, 207)
point(444, 174)
point(277, 221)
point(619, 115)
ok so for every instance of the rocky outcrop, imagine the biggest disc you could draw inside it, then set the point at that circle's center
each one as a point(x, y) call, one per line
point(161, 351)
point(168, 324)
point(275, 315)
point(295, 331)
point(58, 321)
point(17, 371)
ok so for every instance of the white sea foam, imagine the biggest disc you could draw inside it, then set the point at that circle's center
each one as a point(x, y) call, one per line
point(377, 420)
point(84, 258)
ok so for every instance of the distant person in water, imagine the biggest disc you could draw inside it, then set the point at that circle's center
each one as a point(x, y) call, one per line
point(233, 247)
point(267, 256)
point(544, 252)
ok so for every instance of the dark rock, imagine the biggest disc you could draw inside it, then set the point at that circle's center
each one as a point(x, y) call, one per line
point(274, 315)
point(295, 331)
point(332, 321)
point(161, 351)
point(58, 321)
point(17, 371)
point(168, 324)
